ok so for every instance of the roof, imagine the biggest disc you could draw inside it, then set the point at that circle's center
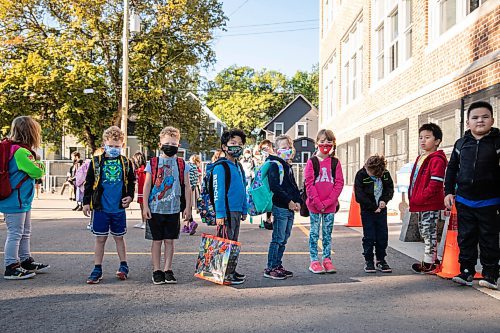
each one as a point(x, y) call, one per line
point(286, 107)
point(205, 109)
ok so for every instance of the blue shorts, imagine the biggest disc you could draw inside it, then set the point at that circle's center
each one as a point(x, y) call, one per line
point(104, 223)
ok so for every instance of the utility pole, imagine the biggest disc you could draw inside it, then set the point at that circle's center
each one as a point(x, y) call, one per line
point(124, 120)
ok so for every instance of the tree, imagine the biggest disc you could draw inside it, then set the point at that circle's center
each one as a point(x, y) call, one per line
point(307, 84)
point(52, 50)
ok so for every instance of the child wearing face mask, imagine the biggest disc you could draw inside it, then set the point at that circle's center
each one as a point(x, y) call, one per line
point(323, 190)
point(265, 149)
point(109, 189)
point(168, 192)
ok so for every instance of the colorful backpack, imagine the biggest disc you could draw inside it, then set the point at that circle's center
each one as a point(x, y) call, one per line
point(181, 166)
point(7, 150)
point(260, 197)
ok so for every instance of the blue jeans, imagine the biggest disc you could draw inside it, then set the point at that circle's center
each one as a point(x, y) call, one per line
point(282, 229)
point(17, 244)
point(375, 234)
point(327, 235)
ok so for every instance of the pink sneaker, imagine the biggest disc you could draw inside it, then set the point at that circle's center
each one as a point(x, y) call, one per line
point(316, 267)
point(328, 265)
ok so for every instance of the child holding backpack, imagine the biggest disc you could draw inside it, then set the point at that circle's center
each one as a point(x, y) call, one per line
point(324, 182)
point(16, 196)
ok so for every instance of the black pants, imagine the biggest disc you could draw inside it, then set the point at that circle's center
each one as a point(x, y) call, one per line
point(375, 234)
point(479, 225)
point(231, 231)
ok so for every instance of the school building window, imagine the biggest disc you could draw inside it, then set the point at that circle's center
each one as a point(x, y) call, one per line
point(396, 146)
point(352, 63)
point(329, 83)
point(449, 121)
point(374, 143)
point(348, 154)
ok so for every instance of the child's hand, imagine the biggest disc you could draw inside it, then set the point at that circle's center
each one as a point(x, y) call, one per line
point(297, 207)
point(187, 213)
point(449, 200)
point(220, 222)
point(291, 205)
point(382, 205)
point(126, 202)
point(243, 217)
point(146, 213)
point(378, 210)
point(86, 210)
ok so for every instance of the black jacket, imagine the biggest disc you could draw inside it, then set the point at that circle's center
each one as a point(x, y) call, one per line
point(94, 197)
point(364, 190)
point(473, 171)
point(288, 190)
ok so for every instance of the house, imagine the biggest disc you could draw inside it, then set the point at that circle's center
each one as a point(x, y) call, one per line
point(299, 120)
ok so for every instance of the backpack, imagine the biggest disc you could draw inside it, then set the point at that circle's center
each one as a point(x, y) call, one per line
point(304, 211)
point(7, 151)
point(181, 166)
point(206, 203)
point(260, 197)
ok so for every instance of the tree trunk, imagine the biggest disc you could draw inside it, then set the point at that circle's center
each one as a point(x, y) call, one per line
point(91, 138)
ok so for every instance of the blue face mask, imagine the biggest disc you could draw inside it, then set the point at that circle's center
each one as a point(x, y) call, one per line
point(112, 151)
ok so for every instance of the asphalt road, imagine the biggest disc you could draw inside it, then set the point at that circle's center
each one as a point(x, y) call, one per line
point(349, 301)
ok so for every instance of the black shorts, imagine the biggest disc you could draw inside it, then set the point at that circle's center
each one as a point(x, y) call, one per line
point(164, 226)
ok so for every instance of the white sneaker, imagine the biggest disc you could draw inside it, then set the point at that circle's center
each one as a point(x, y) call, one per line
point(139, 225)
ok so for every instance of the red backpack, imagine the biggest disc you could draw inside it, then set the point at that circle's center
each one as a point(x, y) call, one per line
point(6, 153)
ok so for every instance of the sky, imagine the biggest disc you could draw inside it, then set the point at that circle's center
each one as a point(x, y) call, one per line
point(286, 52)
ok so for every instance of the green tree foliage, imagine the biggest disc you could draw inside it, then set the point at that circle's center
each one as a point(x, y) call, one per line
point(51, 50)
point(246, 98)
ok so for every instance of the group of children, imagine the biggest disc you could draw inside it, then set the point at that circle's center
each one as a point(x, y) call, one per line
point(471, 181)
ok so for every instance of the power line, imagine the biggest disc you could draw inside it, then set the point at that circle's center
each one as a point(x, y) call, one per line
point(266, 32)
point(239, 7)
point(268, 24)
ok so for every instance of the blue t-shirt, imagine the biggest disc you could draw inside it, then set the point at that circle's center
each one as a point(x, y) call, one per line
point(165, 196)
point(112, 184)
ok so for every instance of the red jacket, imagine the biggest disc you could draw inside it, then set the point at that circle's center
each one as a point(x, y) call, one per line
point(427, 193)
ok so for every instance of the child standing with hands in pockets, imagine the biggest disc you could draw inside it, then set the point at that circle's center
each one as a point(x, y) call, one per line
point(324, 182)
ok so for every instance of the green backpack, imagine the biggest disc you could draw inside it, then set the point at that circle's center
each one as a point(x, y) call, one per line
point(260, 197)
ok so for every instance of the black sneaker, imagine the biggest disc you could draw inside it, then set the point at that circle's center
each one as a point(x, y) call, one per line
point(274, 274)
point(158, 277)
point(234, 280)
point(32, 266)
point(170, 278)
point(240, 276)
point(424, 268)
point(465, 278)
point(268, 225)
point(284, 271)
point(489, 282)
point(16, 272)
point(370, 267)
point(383, 267)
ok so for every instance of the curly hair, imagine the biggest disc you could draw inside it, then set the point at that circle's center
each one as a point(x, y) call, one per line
point(113, 133)
point(376, 165)
point(170, 131)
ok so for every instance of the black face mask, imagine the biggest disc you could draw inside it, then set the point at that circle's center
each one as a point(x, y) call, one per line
point(169, 150)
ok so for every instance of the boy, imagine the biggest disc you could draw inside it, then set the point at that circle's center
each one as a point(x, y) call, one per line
point(286, 201)
point(426, 193)
point(167, 177)
point(230, 209)
point(473, 184)
point(373, 188)
point(109, 189)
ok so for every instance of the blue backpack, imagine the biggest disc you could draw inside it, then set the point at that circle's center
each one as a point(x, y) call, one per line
point(260, 197)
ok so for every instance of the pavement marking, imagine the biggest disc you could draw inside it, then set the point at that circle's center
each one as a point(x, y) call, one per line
point(307, 232)
point(146, 253)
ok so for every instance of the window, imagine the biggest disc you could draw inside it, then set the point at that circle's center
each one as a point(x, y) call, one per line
point(352, 63)
point(380, 51)
point(278, 129)
point(448, 17)
point(305, 156)
point(396, 146)
point(348, 154)
point(408, 30)
point(473, 5)
point(301, 130)
point(304, 143)
point(394, 44)
point(329, 87)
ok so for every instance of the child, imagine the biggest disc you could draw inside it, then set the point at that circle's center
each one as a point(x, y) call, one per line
point(139, 164)
point(167, 177)
point(194, 180)
point(473, 183)
point(109, 189)
point(286, 200)
point(323, 189)
point(373, 188)
point(426, 193)
point(230, 206)
point(265, 149)
point(23, 169)
point(248, 165)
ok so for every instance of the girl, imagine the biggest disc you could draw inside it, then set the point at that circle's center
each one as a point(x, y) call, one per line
point(139, 161)
point(24, 137)
point(194, 180)
point(323, 186)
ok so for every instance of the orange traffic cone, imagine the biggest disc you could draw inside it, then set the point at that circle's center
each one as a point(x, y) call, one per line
point(450, 265)
point(354, 219)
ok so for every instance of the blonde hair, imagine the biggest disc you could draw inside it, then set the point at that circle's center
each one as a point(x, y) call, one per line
point(170, 132)
point(283, 137)
point(217, 155)
point(26, 130)
point(113, 133)
point(328, 134)
point(195, 159)
point(376, 164)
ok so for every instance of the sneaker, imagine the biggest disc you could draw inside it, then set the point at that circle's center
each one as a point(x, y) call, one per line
point(95, 277)
point(76, 208)
point(274, 274)
point(268, 225)
point(284, 271)
point(370, 267)
point(32, 266)
point(489, 283)
point(139, 225)
point(383, 267)
point(316, 267)
point(424, 268)
point(170, 278)
point(465, 278)
point(234, 280)
point(16, 272)
point(80, 208)
point(185, 229)
point(89, 226)
point(328, 266)
point(122, 272)
point(192, 228)
point(158, 277)
point(240, 276)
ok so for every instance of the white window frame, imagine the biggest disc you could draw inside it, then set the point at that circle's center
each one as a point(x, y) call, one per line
point(297, 129)
point(352, 63)
point(303, 154)
point(282, 128)
point(304, 143)
point(329, 78)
